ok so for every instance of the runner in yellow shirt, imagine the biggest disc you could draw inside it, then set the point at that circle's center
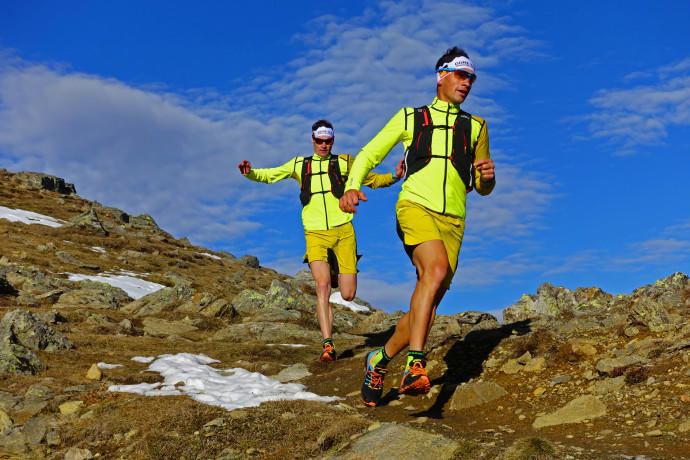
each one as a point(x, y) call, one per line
point(447, 156)
point(327, 229)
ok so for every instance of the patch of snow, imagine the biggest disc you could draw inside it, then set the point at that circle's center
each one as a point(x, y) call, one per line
point(98, 249)
point(336, 297)
point(28, 217)
point(108, 366)
point(143, 359)
point(212, 256)
point(186, 373)
point(294, 345)
point(134, 287)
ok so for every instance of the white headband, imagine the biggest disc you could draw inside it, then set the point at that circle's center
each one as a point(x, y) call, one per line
point(323, 131)
point(460, 62)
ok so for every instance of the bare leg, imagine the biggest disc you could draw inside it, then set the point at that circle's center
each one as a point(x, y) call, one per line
point(348, 285)
point(321, 272)
point(413, 328)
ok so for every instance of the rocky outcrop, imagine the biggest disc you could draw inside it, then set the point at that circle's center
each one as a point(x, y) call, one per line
point(46, 182)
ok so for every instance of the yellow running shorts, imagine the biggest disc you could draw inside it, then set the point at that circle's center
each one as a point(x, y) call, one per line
point(341, 240)
point(417, 224)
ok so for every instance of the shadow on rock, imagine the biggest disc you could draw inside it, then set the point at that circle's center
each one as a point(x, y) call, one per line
point(465, 358)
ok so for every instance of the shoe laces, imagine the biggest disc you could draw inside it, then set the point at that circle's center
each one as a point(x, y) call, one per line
point(417, 368)
point(376, 378)
point(328, 348)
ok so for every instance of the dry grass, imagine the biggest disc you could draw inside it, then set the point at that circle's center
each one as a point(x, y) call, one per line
point(173, 427)
point(536, 343)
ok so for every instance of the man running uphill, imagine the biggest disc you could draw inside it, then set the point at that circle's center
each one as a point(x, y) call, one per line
point(447, 155)
point(322, 181)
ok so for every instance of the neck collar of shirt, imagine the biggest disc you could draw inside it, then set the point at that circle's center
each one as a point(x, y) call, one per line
point(444, 106)
point(318, 157)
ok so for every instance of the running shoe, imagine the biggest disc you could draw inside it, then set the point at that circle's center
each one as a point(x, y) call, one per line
point(328, 354)
point(415, 380)
point(372, 388)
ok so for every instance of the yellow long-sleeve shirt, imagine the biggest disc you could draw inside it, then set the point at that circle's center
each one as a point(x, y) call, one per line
point(438, 185)
point(323, 210)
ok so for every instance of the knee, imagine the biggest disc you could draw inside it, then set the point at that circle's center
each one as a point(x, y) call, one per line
point(435, 273)
point(347, 295)
point(322, 286)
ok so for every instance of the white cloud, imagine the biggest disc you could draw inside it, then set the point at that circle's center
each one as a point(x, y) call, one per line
point(642, 115)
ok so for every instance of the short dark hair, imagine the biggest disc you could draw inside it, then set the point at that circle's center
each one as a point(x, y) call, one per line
point(321, 123)
point(451, 53)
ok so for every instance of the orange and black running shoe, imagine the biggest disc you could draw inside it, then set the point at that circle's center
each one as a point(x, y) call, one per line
point(372, 388)
point(328, 354)
point(415, 380)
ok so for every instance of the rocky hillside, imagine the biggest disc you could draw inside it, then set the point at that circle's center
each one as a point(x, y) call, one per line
point(569, 374)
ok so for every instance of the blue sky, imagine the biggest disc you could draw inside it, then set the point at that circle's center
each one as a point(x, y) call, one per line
point(150, 106)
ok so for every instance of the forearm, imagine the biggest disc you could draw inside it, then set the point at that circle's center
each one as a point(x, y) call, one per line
point(375, 151)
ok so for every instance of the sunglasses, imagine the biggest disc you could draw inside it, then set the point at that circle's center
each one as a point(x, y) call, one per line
point(322, 141)
point(461, 74)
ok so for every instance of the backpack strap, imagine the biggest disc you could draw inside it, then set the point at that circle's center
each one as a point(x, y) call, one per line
point(462, 156)
point(305, 192)
point(336, 178)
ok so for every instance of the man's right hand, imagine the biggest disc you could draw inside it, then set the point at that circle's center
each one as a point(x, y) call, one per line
point(245, 167)
point(350, 199)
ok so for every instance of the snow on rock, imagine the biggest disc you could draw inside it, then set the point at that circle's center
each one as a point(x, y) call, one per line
point(28, 217)
point(190, 374)
point(108, 366)
point(134, 287)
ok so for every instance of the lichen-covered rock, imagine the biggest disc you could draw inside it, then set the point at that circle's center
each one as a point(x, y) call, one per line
point(652, 313)
point(248, 302)
point(549, 301)
point(166, 299)
point(266, 332)
point(94, 294)
point(15, 359)
point(23, 328)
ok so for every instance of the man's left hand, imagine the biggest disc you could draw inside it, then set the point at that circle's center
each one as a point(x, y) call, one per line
point(485, 168)
point(399, 169)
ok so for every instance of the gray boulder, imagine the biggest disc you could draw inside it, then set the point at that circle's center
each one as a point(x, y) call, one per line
point(249, 261)
point(15, 359)
point(23, 328)
point(93, 294)
point(475, 394)
point(5, 286)
point(266, 332)
point(166, 299)
point(586, 407)
point(392, 441)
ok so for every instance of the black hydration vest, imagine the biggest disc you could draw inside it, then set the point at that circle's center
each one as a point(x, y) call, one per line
point(462, 155)
point(337, 184)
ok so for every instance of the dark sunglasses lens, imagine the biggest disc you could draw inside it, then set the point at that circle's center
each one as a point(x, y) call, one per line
point(321, 141)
